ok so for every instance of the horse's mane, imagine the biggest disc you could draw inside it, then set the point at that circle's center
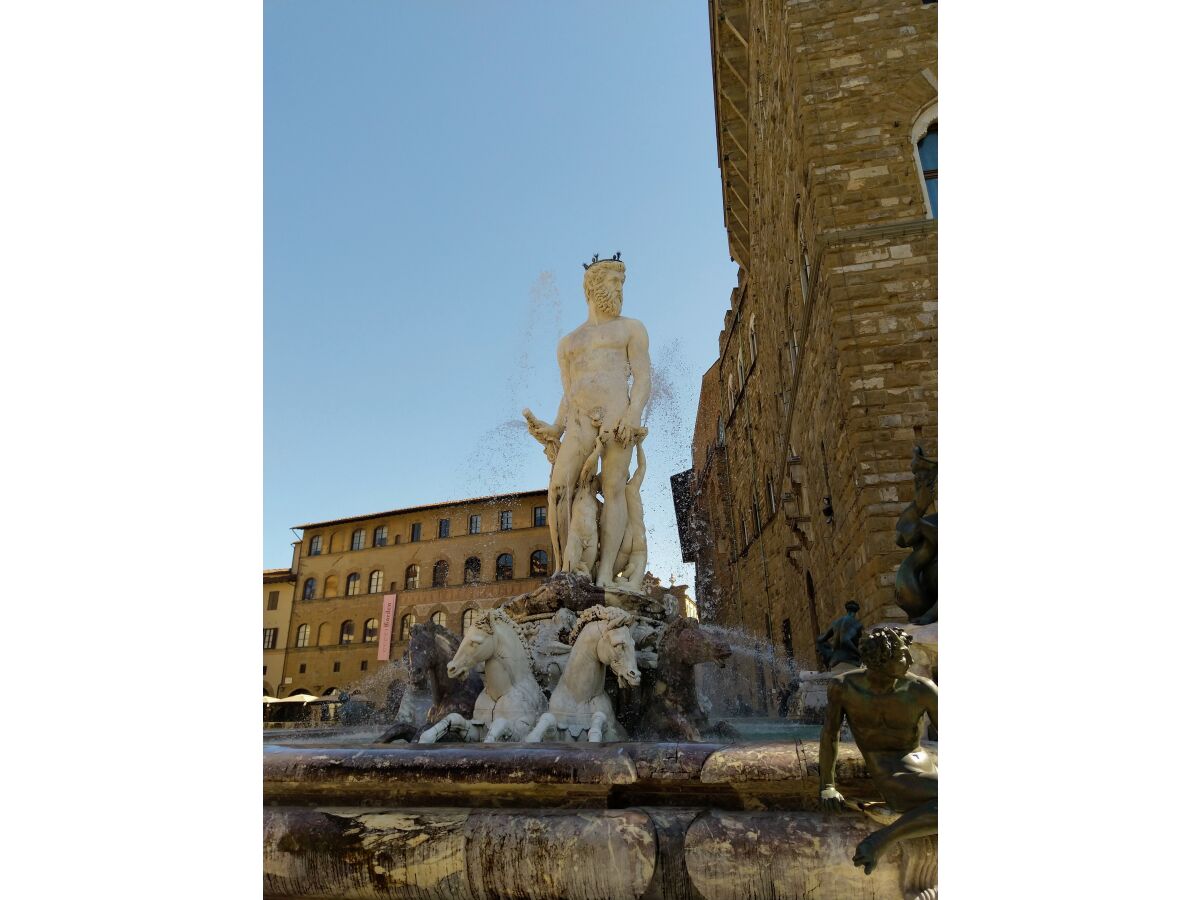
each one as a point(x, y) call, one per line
point(614, 616)
point(488, 620)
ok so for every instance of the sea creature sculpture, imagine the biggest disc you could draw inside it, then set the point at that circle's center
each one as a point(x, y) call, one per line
point(511, 700)
point(579, 707)
point(671, 708)
point(430, 648)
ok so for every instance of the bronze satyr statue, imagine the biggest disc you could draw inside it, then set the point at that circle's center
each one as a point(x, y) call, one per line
point(916, 580)
point(839, 643)
point(884, 704)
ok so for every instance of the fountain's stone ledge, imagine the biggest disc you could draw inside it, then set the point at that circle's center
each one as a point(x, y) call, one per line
point(771, 774)
point(661, 821)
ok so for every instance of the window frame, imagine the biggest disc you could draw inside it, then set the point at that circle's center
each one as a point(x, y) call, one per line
point(443, 528)
point(926, 119)
point(368, 636)
point(344, 633)
point(414, 533)
point(353, 584)
point(506, 520)
point(412, 577)
point(270, 638)
point(510, 567)
point(375, 584)
point(358, 539)
point(379, 537)
point(303, 635)
point(315, 545)
point(475, 524)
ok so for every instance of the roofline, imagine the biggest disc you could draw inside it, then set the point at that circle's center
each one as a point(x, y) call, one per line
point(274, 576)
point(409, 509)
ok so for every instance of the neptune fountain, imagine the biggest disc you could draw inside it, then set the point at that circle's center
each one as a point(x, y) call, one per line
point(522, 780)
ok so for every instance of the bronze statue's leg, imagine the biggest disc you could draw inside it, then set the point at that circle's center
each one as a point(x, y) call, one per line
point(915, 823)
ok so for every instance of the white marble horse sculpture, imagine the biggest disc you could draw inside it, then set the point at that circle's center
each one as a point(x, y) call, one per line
point(511, 700)
point(600, 639)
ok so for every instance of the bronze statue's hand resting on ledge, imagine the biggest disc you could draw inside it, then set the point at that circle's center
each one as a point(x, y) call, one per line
point(884, 705)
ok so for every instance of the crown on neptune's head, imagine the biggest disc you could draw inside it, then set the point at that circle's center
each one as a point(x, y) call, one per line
point(596, 259)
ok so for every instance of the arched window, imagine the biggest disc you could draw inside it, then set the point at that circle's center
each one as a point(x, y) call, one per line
point(412, 577)
point(375, 585)
point(504, 567)
point(353, 585)
point(314, 545)
point(468, 619)
point(438, 618)
point(732, 392)
point(331, 586)
point(539, 564)
point(322, 634)
point(741, 369)
point(471, 570)
point(441, 571)
point(406, 624)
point(371, 631)
point(358, 540)
point(381, 536)
point(347, 633)
point(925, 147)
point(302, 636)
point(310, 589)
point(753, 341)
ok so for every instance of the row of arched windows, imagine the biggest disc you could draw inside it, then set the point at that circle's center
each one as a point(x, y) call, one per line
point(370, 629)
point(539, 566)
point(346, 635)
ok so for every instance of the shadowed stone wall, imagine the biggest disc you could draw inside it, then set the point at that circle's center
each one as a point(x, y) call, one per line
point(827, 366)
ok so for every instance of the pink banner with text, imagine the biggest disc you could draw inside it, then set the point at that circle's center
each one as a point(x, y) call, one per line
point(385, 629)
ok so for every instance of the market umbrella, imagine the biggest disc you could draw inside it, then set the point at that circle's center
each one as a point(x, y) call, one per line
point(298, 698)
point(267, 699)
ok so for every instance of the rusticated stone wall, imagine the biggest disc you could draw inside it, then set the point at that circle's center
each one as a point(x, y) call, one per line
point(827, 367)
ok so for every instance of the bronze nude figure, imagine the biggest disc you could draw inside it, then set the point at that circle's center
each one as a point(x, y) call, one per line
point(884, 705)
point(839, 643)
point(916, 580)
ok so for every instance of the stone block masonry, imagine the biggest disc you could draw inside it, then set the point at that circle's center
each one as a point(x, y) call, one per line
point(827, 363)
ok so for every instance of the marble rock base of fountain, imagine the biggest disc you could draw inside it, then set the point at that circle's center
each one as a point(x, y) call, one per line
point(669, 821)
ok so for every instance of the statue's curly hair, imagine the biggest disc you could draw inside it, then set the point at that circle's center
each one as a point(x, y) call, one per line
point(876, 648)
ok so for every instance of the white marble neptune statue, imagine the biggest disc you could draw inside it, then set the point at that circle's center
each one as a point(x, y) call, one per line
point(605, 366)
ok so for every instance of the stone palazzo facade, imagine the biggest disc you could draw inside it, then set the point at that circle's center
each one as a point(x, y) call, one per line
point(443, 562)
point(827, 366)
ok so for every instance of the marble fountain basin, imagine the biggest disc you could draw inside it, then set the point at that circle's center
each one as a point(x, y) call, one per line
point(564, 821)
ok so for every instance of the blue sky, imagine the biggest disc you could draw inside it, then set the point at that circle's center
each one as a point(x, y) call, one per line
point(434, 176)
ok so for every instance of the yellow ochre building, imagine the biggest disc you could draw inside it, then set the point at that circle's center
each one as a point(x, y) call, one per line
point(355, 577)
